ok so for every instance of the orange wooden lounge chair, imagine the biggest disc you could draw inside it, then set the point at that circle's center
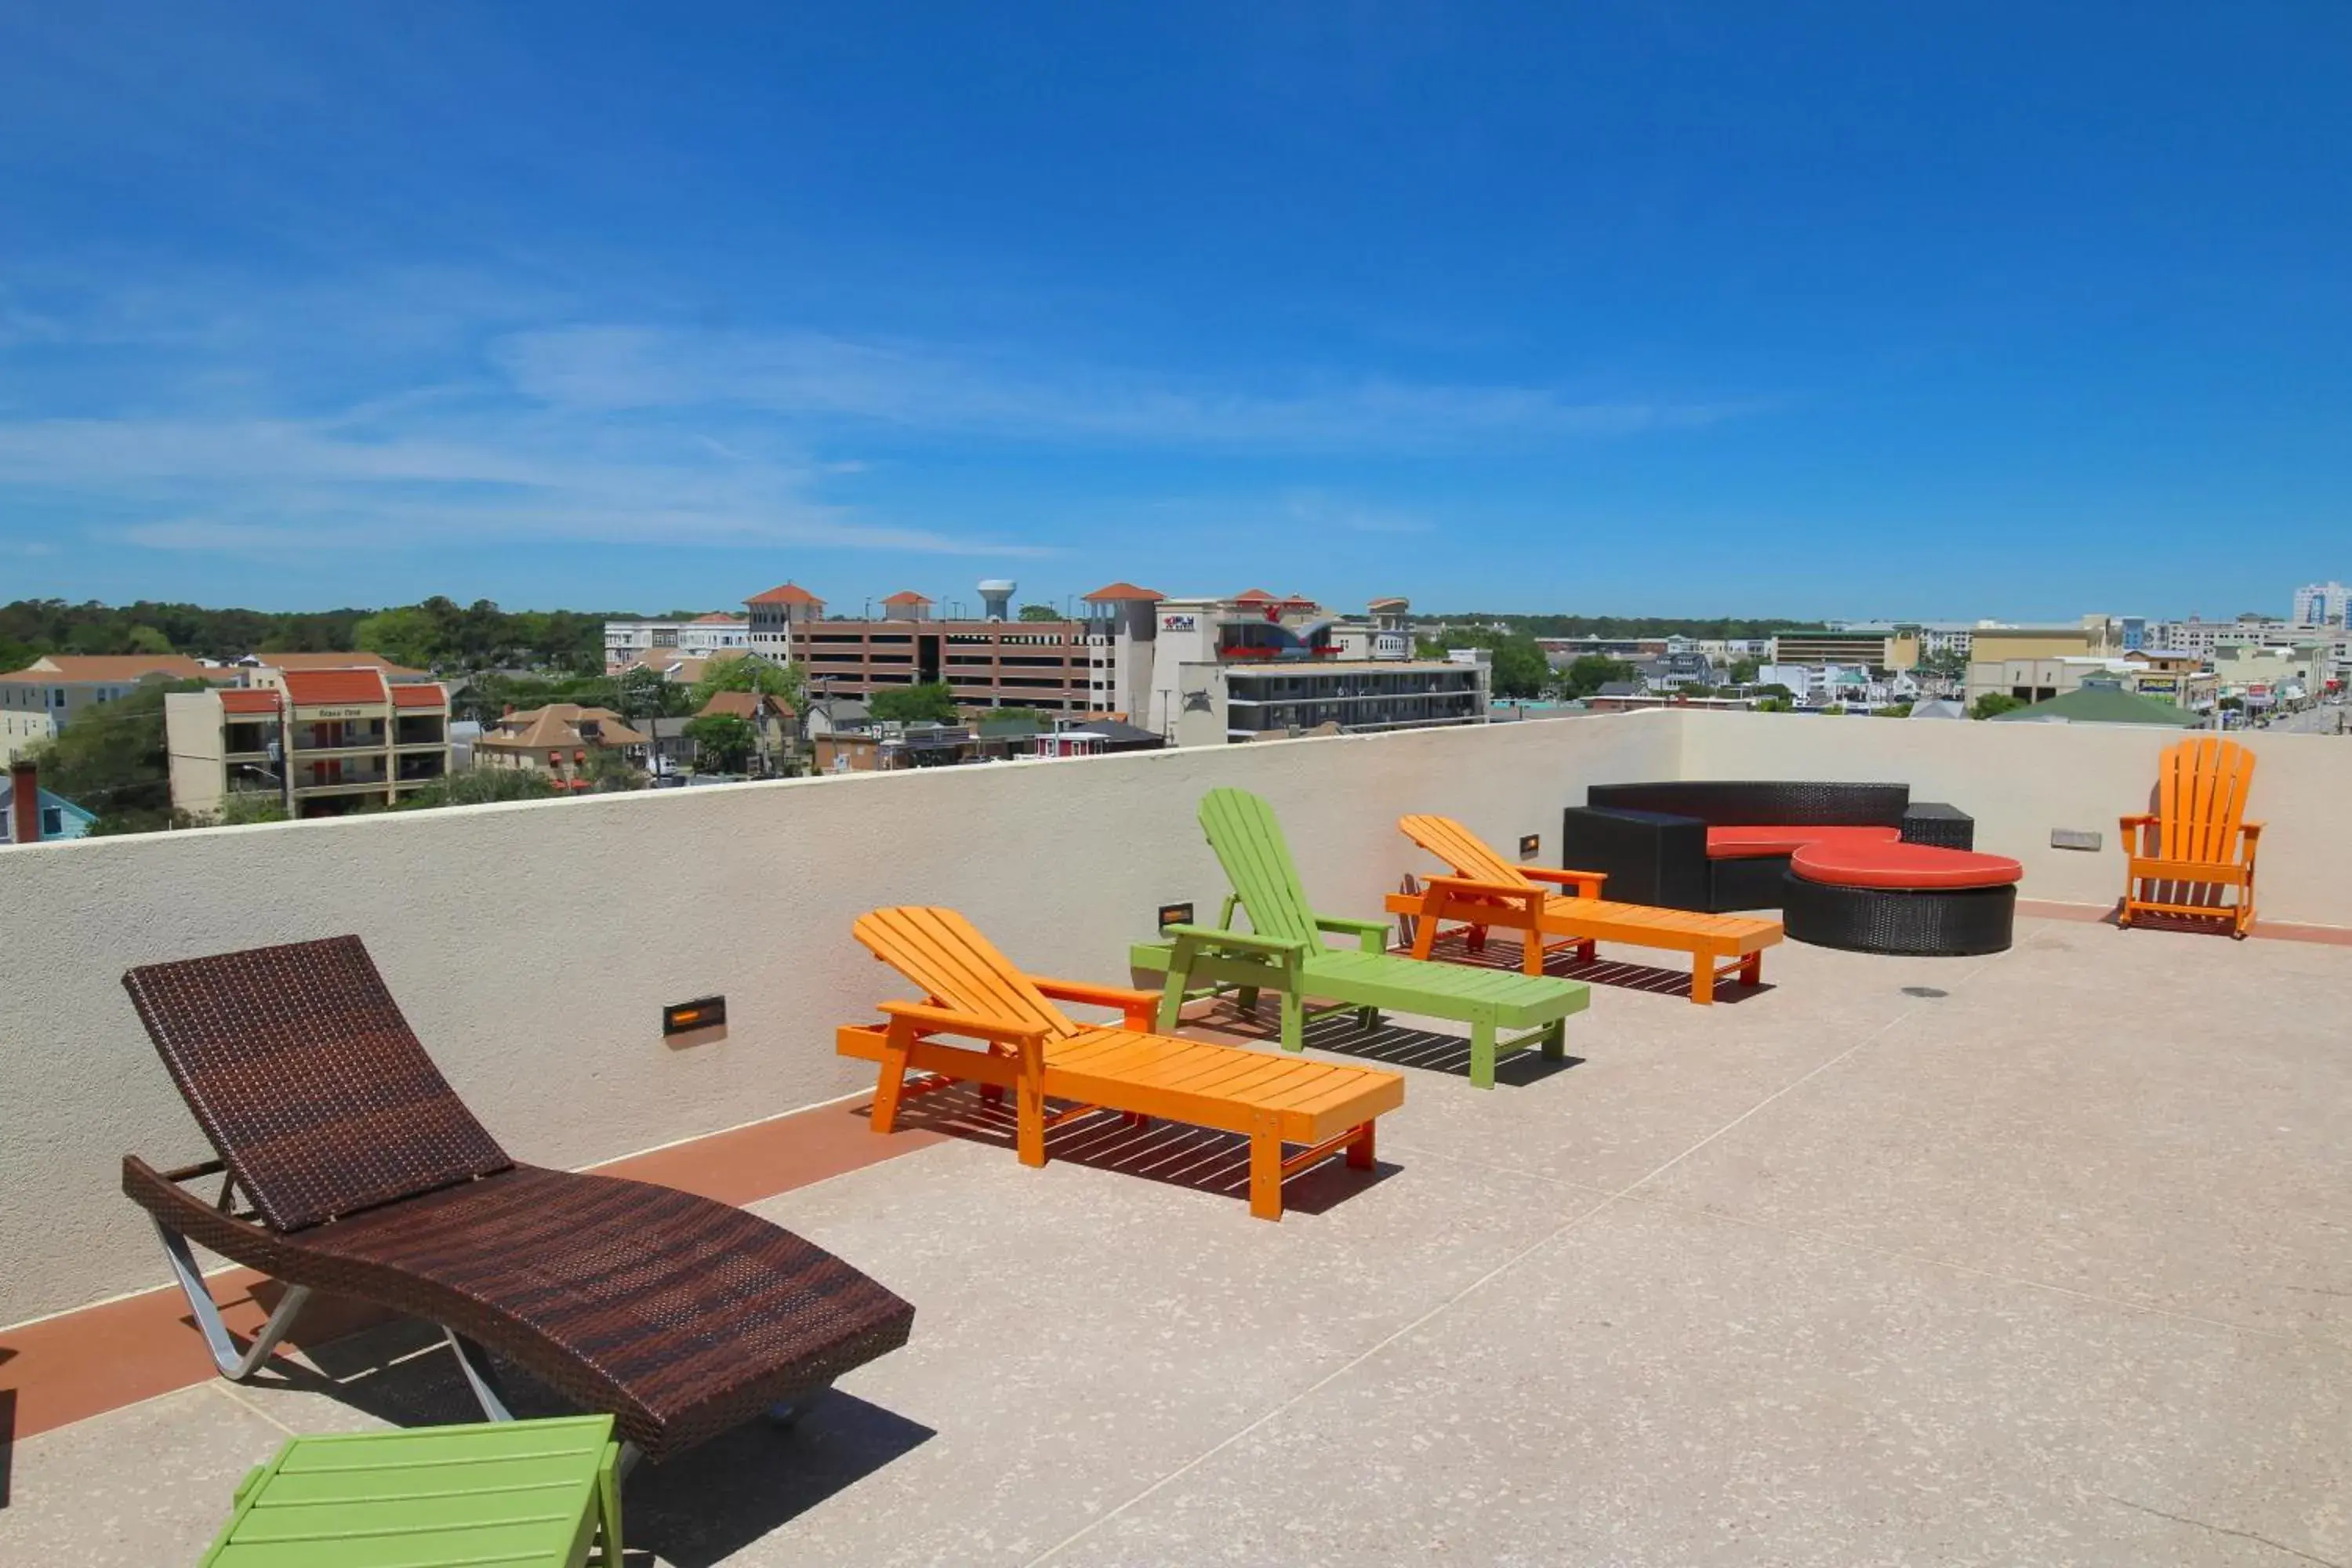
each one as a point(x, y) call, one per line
point(1487, 890)
point(2196, 846)
point(1030, 1046)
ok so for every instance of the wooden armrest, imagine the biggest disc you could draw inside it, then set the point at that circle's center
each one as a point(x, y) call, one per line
point(1511, 890)
point(1348, 923)
point(946, 1021)
point(1214, 937)
point(1562, 877)
point(1138, 1009)
point(2251, 829)
point(1371, 936)
point(2141, 819)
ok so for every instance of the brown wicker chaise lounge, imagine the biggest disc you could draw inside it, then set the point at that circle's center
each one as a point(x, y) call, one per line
point(367, 1176)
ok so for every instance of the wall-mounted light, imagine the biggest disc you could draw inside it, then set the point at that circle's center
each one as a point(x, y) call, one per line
point(685, 1018)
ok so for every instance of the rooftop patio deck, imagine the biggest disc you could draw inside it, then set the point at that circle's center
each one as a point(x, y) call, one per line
point(2040, 1258)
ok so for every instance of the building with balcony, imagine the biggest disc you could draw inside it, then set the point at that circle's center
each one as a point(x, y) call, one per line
point(2028, 1257)
point(714, 636)
point(1871, 649)
point(2322, 605)
point(39, 701)
point(317, 743)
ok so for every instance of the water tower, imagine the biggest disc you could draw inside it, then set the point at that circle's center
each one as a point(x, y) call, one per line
point(996, 598)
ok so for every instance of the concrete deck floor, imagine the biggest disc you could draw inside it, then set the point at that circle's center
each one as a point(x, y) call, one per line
point(2038, 1258)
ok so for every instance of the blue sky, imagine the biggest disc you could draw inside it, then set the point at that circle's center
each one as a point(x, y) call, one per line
point(1658, 308)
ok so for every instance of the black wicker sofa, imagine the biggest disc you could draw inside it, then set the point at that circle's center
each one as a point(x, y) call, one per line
point(1718, 845)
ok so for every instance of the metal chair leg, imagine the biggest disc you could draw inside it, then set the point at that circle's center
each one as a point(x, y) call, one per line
point(480, 1376)
point(234, 1366)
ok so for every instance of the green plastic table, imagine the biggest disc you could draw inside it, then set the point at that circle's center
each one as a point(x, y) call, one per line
point(533, 1494)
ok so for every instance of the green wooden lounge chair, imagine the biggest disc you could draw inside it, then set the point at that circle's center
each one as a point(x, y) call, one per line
point(528, 1494)
point(1284, 951)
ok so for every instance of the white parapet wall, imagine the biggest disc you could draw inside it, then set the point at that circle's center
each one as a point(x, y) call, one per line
point(533, 946)
point(2021, 781)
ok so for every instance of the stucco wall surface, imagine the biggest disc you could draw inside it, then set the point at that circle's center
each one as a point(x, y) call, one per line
point(2019, 781)
point(533, 946)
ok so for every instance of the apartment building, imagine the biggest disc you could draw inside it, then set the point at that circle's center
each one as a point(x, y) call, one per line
point(52, 692)
point(1223, 702)
point(704, 636)
point(319, 742)
point(771, 618)
point(1256, 665)
point(1873, 650)
point(2322, 605)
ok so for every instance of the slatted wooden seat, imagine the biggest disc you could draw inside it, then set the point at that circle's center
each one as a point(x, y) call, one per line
point(2195, 848)
point(1284, 951)
point(1487, 890)
point(1032, 1048)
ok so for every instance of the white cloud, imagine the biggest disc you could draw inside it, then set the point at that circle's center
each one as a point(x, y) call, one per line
point(813, 376)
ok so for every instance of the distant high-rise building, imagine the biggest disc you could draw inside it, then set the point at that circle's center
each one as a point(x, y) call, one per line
point(2321, 603)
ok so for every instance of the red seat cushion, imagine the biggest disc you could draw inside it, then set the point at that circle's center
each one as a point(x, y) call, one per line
point(1751, 843)
point(1901, 866)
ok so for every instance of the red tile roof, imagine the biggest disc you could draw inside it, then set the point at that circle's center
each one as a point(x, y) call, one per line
point(426, 696)
point(790, 593)
point(333, 687)
point(249, 700)
point(1117, 591)
point(1253, 597)
point(906, 596)
point(718, 618)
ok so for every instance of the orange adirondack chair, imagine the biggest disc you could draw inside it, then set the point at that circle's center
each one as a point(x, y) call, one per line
point(1485, 889)
point(2196, 846)
point(1032, 1048)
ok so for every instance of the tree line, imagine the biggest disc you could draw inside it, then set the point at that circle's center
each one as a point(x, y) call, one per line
point(438, 633)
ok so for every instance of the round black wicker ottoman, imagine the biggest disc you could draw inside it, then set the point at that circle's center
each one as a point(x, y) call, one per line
point(1900, 899)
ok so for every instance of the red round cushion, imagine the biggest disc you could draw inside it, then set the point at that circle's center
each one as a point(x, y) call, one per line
point(1851, 864)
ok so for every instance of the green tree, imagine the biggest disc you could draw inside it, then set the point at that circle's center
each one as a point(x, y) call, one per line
point(146, 639)
point(1518, 667)
point(1743, 671)
point(910, 704)
point(1992, 703)
point(1892, 710)
point(412, 637)
point(641, 693)
point(1040, 613)
point(722, 742)
point(246, 807)
point(111, 761)
point(1948, 664)
point(1591, 671)
point(480, 786)
point(752, 672)
point(609, 772)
